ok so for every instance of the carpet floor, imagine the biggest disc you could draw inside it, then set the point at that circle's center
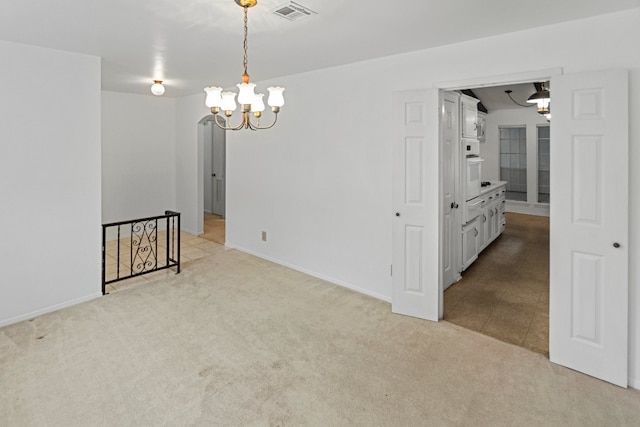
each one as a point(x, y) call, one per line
point(236, 340)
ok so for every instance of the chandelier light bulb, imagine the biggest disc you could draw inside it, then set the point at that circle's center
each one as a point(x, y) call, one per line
point(246, 94)
point(257, 106)
point(276, 99)
point(214, 97)
point(157, 88)
point(228, 101)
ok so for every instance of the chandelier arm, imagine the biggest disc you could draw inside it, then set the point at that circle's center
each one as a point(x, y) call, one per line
point(225, 127)
point(252, 126)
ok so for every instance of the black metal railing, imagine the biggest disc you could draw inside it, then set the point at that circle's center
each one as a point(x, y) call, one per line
point(135, 250)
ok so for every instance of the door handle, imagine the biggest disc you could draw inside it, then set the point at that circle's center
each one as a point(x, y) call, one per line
point(213, 174)
point(454, 205)
point(397, 213)
point(616, 245)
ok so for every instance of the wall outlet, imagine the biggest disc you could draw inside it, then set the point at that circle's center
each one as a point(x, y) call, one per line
point(264, 236)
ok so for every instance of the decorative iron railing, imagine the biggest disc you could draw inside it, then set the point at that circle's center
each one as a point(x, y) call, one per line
point(138, 247)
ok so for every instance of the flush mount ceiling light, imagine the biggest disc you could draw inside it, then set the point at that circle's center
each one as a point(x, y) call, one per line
point(543, 100)
point(251, 103)
point(157, 88)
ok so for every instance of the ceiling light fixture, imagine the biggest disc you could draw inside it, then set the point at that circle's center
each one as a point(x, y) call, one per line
point(508, 92)
point(157, 88)
point(543, 100)
point(250, 101)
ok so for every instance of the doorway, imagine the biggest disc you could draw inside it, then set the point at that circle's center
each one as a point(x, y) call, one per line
point(589, 222)
point(504, 293)
point(214, 181)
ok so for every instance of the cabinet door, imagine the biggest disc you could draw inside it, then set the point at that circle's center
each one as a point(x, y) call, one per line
point(469, 243)
point(469, 120)
point(490, 230)
point(483, 237)
point(482, 126)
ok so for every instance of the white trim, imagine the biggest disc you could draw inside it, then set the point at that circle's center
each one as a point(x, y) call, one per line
point(499, 80)
point(634, 383)
point(527, 208)
point(49, 309)
point(332, 280)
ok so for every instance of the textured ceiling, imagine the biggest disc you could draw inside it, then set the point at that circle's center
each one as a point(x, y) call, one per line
point(194, 43)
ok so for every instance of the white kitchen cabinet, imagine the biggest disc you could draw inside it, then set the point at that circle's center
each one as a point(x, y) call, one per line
point(482, 242)
point(485, 221)
point(482, 126)
point(470, 235)
point(469, 114)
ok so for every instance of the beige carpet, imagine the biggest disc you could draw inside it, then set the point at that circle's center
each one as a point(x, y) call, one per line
point(235, 340)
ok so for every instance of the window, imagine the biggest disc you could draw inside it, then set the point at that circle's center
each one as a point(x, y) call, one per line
point(543, 164)
point(513, 161)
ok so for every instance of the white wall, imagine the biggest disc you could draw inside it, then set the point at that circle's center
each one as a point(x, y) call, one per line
point(189, 156)
point(49, 180)
point(320, 182)
point(490, 151)
point(138, 149)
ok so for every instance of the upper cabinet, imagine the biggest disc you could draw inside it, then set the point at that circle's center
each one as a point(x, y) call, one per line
point(469, 113)
point(482, 126)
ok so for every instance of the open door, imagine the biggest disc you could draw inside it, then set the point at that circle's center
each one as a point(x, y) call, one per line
point(416, 201)
point(589, 224)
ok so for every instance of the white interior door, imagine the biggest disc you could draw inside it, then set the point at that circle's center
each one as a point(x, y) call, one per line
point(416, 240)
point(218, 170)
point(451, 224)
point(589, 224)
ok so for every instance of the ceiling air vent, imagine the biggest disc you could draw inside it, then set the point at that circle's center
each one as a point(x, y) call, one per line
point(293, 11)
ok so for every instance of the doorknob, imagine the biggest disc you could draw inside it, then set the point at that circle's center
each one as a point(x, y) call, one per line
point(397, 213)
point(616, 245)
point(454, 205)
point(213, 174)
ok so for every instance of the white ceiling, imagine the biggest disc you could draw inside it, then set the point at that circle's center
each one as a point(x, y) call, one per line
point(191, 44)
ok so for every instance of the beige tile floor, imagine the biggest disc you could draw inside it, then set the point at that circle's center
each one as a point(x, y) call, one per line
point(192, 247)
point(505, 293)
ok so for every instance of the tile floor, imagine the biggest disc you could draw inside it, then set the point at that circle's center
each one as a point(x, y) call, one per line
point(192, 247)
point(505, 293)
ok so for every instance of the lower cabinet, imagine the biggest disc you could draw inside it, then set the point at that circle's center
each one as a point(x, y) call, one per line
point(480, 231)
point(470, 246)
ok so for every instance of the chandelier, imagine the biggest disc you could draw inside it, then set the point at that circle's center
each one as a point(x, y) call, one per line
point(251, 103)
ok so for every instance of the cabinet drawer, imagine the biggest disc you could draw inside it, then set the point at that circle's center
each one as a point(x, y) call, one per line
point(473, 208)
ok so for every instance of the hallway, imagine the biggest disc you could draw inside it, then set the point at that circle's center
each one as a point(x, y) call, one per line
point(505, 293)
point(214, 228)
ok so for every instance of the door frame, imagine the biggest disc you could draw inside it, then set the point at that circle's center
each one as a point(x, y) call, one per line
point(487, 81)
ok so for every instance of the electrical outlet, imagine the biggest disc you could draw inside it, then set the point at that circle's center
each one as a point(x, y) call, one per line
point(264, 236)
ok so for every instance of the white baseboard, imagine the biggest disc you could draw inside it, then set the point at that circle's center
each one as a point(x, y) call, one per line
point(320, 276)
point(49, 309)
point(527, 208)
point(634, 383)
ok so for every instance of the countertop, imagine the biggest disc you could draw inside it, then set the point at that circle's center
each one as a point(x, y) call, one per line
point(494, 186)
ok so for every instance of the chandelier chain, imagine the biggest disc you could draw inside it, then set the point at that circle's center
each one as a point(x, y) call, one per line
point(244, 46)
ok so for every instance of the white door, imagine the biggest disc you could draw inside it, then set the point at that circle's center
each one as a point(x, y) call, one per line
point(451, 222)
point(589, 224)
point(416, 202)
point(218, 170)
